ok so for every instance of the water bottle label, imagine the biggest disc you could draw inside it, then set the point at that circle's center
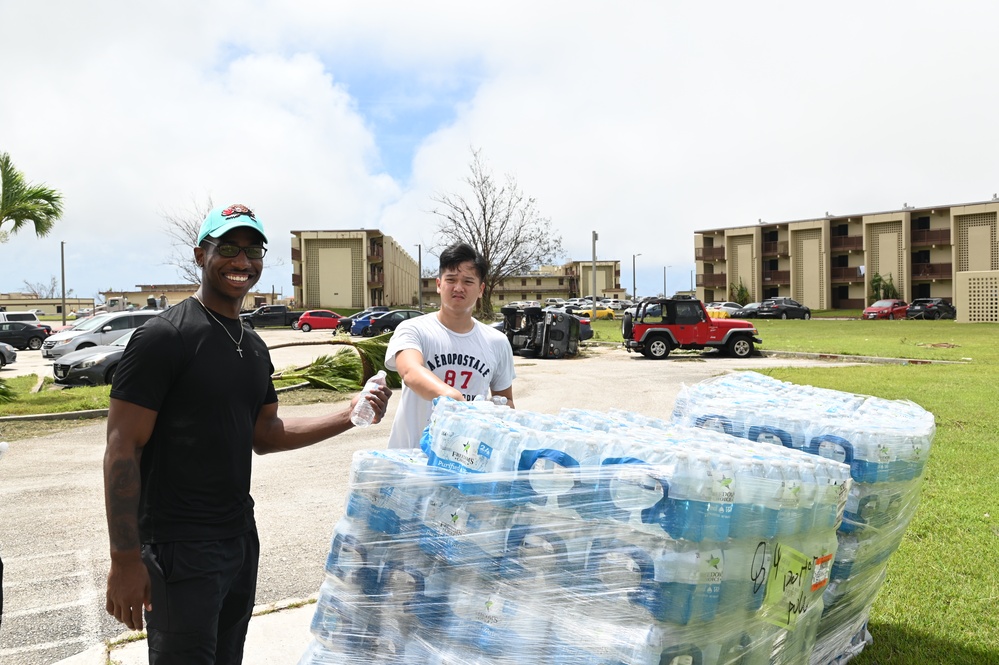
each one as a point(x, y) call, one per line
point(820, 575)
point(722, 487)
point(710, 567)
point(791, 497)
point(461, 453)
point(447, 519)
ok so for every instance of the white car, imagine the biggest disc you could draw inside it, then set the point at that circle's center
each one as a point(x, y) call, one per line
point(100, 330)
point(729, 307)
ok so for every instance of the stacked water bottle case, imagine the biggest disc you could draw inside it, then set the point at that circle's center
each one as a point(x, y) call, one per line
point(886, 444)
point(612, 538)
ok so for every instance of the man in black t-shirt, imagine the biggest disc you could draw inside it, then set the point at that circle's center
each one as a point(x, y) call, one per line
point(192, 400)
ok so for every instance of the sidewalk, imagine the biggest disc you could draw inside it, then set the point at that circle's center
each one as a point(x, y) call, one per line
point(278, 635)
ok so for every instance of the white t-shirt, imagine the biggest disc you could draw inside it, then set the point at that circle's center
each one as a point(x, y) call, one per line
point(475, 363)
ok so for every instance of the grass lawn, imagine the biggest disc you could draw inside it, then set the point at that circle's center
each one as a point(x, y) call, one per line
point(936, 605)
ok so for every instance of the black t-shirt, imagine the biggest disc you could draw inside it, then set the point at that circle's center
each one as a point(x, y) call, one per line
point(196, 465)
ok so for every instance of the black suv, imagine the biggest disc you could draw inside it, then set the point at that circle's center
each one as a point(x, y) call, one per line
point(931, 308)
point(783, 308)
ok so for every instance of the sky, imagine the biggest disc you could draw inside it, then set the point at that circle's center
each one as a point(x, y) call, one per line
point(641, 121)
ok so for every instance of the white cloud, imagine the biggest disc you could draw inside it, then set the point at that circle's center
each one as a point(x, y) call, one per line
point(643, 121)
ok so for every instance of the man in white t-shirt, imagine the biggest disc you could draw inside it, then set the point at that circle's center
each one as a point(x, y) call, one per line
point(448, 353)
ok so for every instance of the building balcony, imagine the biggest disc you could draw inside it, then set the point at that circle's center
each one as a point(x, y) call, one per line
point(775, 248)
point(932, 270)
point(709, 253)
point(712, 281)
point(848, 274)
point(376, 280)
point(844, 243)
point(930, 237)
point(375, 253)
point(771, 277)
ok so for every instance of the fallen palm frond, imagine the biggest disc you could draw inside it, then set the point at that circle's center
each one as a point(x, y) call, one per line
point(340, 372)
point(368, 359)
point(7, 393)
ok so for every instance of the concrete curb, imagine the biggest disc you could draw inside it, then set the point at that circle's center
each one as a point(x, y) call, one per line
point(871, 360)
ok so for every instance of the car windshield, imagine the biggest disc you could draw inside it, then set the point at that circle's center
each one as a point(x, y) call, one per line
point(94, 323)
point(883, 303)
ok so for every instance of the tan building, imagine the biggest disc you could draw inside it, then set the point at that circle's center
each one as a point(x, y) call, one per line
point(947, 251)
point(351, 269)
point(23, 302)
point(571, 280)
point(171, 294)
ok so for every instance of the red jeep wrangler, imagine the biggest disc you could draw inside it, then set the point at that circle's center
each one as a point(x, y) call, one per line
point(660, 325)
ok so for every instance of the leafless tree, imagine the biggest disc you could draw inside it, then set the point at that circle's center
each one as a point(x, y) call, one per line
point(499, 221)
point(42, 290)
point(182, 228)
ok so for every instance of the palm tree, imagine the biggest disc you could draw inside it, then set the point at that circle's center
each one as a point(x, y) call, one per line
point(25, 203)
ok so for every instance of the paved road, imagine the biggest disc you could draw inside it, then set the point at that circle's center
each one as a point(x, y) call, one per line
point(52, 528)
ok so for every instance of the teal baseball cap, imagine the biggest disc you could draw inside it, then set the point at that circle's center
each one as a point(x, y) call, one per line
point(222, 220)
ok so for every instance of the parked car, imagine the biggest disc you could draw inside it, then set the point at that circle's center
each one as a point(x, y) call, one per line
point(889, 308)
point(747, 311)
point(320, 319)
point(270, 315)
point(931, 308)
point(7, 354)
point(92, 366)
point(97, 331)
point(347, 322)
point(382, 322)
point(783, 308)
point(23, 335)
point(729, 308)
point(684, 324)
point(598, 312)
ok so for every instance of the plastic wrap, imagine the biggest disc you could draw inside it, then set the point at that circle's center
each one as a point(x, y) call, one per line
point(582, 538)
point(886, 444)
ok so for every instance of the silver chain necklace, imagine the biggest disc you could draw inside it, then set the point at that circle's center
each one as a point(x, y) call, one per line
point(239, 343)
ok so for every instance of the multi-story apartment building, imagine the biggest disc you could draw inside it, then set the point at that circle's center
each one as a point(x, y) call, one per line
point(947, 251)
point(351, 269)
point(571, 280)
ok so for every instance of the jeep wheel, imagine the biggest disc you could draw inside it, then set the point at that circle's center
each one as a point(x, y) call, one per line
point(305, 327)
point(656, 348)
point(740, 347)
point(626, 326)
point(35, 343)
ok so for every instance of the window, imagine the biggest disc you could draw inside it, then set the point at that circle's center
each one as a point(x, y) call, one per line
point(921, 224)
point(841, 230)
point(537, 282)
point(523, 282)
point(841, 261)
point(538, 297)
point(922, 256)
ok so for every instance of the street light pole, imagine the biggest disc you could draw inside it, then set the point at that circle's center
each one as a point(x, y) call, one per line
point(62, 264)
point(634, 289)
point(665, 292)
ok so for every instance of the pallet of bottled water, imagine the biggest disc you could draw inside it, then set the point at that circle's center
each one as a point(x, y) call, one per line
point(579, 538)
point(886, 444)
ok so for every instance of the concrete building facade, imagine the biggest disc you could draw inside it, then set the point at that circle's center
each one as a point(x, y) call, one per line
point(947, 251)
point(351, 269)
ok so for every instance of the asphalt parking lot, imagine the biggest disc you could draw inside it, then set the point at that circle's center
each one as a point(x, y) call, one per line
point(53, 533)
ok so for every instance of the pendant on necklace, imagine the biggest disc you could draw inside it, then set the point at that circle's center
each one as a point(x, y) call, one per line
point(240, 349)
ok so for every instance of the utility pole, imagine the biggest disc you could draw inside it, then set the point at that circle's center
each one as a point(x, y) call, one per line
point(62, 263)
point(593, 270)
point(634, 289)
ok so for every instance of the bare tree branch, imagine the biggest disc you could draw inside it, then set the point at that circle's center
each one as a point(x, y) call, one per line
point(182, 228)
point(500, 222)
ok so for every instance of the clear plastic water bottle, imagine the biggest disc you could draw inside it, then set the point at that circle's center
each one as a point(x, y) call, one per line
point(363, 413)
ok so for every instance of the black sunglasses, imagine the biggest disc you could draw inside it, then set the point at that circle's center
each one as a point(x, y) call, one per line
point(231, 250)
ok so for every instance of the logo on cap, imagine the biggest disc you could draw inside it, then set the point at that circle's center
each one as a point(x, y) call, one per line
point(237, 209)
